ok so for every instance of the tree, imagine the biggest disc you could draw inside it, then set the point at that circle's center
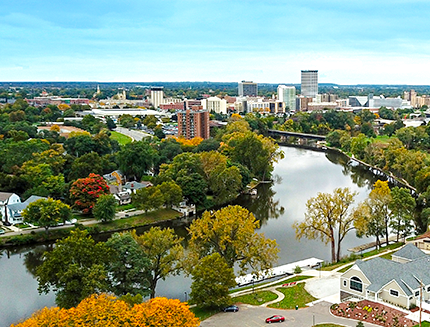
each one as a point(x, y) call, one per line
point(358, 145)
point(86, 164)
point(327, 218)
point(42, 181)
point(137, 159)
point(379, 200)
point(105, 208)
point(129, 267)
point(106, 310)
point(172, 193)
point(368, 224)
point(75, 269)
point(85, 191)
point(230, 232)
point(164, 251)
point(46, 213)
point(402, 208)
point(193, 187)
point(160, 311)
point(212, 278)
point(225, 183)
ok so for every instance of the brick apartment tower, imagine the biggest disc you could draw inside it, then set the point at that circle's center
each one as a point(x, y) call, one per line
point(193, 123)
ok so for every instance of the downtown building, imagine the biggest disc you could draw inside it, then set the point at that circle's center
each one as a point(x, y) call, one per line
point(309, 83)
point(247, 88)
point(193, 123)
point(157, 96)
point(287, 95)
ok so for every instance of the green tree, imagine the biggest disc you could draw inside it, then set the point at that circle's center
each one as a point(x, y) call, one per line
point(379, 199)
point(75, 269)
point(88, 163)
point(328, 218)
point(193, 186)
point(137, 159)
point(367, 223)
point(141, 199)
point(46, 213)
point(402, 208)
point(358, 145)
point(105, 208)
point(230, 232)
point(164, 251)
point(212, 278)
point(128, 267)
point(172, 193)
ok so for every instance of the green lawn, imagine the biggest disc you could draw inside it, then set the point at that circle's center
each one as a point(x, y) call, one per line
point(203, 313)
point(121, 138)
point(139, 220)
point(354, 257)
point(345, 268)
point(424, 324)
point(289, 280)
point(256, 298)
point(328, 325)
point(296, 295)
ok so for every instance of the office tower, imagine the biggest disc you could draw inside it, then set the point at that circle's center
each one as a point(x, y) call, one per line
point(193, 123)
point(287, 95)
point(215, 104)
point(309, 83)
point(157, 95)
point(248, 88)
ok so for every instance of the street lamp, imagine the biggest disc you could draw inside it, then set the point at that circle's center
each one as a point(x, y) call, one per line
point(185, 293)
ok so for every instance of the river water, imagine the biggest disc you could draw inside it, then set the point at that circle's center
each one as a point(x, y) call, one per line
point(299, 176)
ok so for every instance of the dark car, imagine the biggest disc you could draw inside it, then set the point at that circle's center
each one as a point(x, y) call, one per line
point(231, 308)
point(275, 318)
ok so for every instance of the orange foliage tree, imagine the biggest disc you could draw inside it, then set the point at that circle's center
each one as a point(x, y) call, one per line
point(85, 192)
point(106, 310)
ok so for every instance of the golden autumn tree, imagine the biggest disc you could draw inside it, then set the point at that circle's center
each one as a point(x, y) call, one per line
point(328, 219)
point(161, 312)
point(230, 232)
point(105, 310)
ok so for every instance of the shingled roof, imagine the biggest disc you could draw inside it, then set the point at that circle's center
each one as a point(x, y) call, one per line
point(408, 275)
point(409, 252)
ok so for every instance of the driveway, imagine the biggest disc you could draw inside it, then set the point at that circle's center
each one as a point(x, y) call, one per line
point(254, 316)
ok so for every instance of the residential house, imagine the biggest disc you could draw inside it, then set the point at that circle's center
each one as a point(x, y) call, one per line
point(133, 186)
point(399, 281)
point(422, 242)
point(116, 177)
point(15, 210)
point(123, 197)
point(7, 199)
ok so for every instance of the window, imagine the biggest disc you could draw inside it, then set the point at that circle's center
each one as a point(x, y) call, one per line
point(428, 289)
point(356, 284)
point(394, 293)
point(417, 293)
point(344, 283)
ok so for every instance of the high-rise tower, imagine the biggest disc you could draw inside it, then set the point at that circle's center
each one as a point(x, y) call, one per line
point(248, 88)
point(287, 95)
point(309, 83)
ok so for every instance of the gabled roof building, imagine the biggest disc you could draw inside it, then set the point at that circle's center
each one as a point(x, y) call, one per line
point(400, 281)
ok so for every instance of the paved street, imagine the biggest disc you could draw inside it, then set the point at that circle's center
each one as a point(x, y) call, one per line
point(136, 135)
point(254, 316)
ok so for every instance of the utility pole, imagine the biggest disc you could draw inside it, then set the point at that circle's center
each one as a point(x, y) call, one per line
point(421, 298)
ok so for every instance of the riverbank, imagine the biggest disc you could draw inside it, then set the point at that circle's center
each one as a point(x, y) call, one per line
point(125, 220)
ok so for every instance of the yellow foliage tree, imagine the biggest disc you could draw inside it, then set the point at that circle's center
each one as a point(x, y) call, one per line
point(55, 128)
point(106, 310)
point(63, 106)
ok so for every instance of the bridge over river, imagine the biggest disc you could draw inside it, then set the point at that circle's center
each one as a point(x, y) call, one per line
point(274, 132)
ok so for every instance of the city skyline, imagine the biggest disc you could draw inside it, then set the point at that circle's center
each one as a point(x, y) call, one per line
point(354, 42)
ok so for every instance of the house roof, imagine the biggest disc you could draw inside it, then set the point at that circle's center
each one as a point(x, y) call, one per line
point(410, 252)
point(137, 185)
point(5, 195)
point(22, 205)
point(408, 275)
point(425, 235)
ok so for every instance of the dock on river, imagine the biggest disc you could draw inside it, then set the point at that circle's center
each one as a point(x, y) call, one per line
point(287, 269)
point(370, 245)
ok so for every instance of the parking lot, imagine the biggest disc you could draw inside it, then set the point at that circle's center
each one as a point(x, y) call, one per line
point(254, 316)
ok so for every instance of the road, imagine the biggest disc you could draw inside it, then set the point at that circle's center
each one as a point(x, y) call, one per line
point(135, 135)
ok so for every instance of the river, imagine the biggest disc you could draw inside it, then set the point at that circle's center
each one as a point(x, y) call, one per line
point(299, 176)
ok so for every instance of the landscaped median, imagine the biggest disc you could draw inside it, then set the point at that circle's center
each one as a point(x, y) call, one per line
point(295, 296)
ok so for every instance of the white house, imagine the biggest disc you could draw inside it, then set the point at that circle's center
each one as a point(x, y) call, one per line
point(15, 209)
point(7, 199)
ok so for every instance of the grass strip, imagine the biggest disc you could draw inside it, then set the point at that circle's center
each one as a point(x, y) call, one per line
point(256, 298)
point(294, 296)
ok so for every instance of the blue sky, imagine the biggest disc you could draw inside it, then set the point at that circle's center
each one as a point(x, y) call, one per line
point(348, 41)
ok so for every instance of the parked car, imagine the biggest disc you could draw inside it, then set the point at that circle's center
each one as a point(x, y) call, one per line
point(275, 318)
point(2, 231)
point(231, 308)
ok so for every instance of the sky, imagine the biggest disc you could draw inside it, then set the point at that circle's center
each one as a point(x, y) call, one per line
point(347, 41)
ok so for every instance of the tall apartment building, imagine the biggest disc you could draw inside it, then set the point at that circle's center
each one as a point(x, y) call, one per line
point(248, 88)
point(309, 83)
point(193, 123)
point(287, 95)
point(157, 95)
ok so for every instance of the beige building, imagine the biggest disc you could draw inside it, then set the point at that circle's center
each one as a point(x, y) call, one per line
point(400, 281)
point(215, 104)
